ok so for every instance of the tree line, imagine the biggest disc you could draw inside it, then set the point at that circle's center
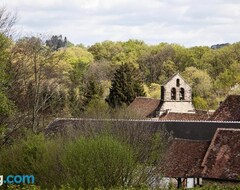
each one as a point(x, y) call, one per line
point(47, 77)
point(44, 77)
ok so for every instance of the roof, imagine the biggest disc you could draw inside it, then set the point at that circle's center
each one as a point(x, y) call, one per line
point(194, 130)
point(184, 116)
point(184, 158)
point(145, 107)
point(229, 110)
point(222, 160)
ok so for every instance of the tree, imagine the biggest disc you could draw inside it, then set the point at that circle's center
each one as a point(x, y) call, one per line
point(35, 83)
point(5, 104)
point(126, 86)
point(199, 80)
point(79, 60)
point(57, 42)
point(7, 21)
point(105, 50)
point(151, 64)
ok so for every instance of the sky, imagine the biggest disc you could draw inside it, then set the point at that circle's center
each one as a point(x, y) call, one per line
point(185, 22)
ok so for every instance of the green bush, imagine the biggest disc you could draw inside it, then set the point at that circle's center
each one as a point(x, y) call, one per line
point(100, 162)
point(93, 162)
point(33, 156)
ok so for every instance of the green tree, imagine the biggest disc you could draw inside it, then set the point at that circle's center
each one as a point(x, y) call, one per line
point(6, 107)
point(126, 86)
point(101, 162)
point(79, 60)
point(153, 90)
point(7, 21)
point(200, 103)
point(105, 50)
point(199, 80)
point(151, 63)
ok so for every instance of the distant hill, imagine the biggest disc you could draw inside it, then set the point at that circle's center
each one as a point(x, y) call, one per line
point(217, 46)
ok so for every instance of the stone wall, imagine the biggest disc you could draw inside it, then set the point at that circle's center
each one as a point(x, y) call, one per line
point(177, 107)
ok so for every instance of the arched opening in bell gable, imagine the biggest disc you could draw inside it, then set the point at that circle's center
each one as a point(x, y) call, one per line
point(173, 94)
point(182, 94)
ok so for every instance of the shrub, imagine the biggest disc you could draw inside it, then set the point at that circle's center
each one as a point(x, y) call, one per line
point(98, 162)
point(33, 156)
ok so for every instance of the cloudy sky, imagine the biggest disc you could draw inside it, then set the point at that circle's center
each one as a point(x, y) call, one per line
point(186, 22)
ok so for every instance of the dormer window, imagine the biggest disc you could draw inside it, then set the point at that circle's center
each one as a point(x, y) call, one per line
point(181, 94)
point(177, 82)
point(173, 94)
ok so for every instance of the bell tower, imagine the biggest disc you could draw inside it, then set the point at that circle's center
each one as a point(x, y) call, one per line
point(176, 96)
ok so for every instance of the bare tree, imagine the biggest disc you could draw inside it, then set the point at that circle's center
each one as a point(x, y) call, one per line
point(36, 78)
point(7, 21)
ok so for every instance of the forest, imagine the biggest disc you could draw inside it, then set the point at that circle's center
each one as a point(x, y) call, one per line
point(53, 78)
point(43, 77)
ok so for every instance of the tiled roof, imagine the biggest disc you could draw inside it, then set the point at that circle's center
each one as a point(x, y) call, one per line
point(229, 110)
point(145, 107)
point(184, 116)
point(184, 158)
point(192, 130)
point(222, 160)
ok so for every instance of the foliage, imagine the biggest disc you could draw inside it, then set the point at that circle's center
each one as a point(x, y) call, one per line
point(35, 84)
point(33, 155)
point(91, 158)
point(126, 86)
point(6, 106)
point(56, 42)
point(200, 80)
point(153, 90)
point(99, 162)
point(200, 103)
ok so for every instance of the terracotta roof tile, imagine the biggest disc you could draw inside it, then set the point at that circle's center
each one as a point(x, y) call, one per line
point(229, 110)
point(184, 116)
point(146, 107)
point(184, 158)
point(222, 160)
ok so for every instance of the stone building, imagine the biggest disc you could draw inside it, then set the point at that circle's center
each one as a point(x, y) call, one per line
point(176, 96)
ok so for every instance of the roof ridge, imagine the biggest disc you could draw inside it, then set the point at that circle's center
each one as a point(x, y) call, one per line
point(143, 97)
point(192, 140)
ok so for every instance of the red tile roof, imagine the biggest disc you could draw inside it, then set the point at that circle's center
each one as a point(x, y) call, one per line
point(222, 160)
point(229, 110)
point(184, 116)
point(184, 158)
point(145, 107)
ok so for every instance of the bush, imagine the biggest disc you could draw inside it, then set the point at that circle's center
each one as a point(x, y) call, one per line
point(100, 162)
point(85, 163)
point(33, 156)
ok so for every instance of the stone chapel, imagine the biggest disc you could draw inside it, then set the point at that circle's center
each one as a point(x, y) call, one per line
point(176, 96)
point(176, 99)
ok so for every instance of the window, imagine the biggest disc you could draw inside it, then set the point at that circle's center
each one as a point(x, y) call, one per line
point(177, 82)
point(182, 94)
point(173, 94)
